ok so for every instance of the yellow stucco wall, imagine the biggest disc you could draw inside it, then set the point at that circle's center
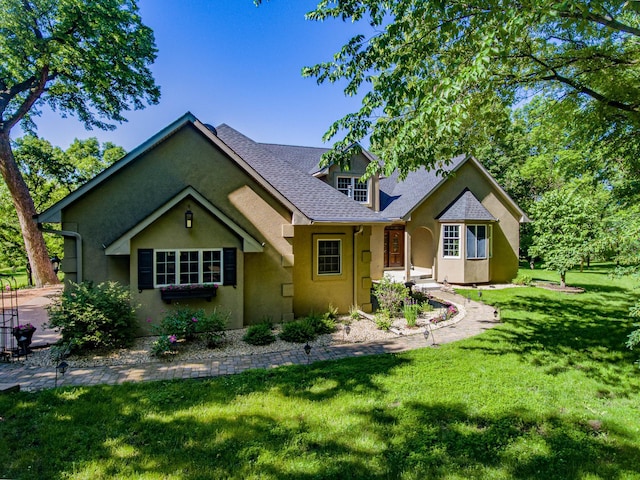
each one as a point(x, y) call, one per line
point(313, 292)
point(185, 159)
point(504, 264)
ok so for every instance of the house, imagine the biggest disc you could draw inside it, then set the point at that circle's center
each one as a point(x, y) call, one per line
point(278, 234)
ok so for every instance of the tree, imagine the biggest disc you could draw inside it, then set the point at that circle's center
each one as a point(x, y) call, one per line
point(435, 70)
point(568, 226)
point(50, 174)
point(88, 58)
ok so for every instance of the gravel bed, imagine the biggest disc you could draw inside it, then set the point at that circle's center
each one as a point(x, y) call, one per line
point(360, 331)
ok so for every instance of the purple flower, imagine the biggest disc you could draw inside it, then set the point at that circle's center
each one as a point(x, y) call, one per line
point(194, 319)
point(173, 339)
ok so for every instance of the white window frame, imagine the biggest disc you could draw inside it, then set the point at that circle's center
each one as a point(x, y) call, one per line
point(351, 191)
point(200, 264)
point(454, 239)
point(487, 248)
point(318, 256)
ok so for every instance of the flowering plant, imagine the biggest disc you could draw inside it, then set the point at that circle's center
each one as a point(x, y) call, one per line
point(25, 326)
point(187, 287)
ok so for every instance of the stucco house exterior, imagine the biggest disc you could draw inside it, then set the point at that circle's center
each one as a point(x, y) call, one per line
point(276, 233)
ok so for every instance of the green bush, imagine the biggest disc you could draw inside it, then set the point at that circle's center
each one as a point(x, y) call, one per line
point(322, 324)
point(299, 331)
point(522, 279)
point(383, 320)
point(411, 311)
point(94, 316)
point(166, 344)
point(390, 295)
point(181, 322)
point(213, 327)
point(260, 334)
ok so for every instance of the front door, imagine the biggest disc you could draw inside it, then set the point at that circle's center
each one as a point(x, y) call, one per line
point(394, 247)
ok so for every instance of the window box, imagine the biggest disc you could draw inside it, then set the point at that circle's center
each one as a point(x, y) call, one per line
point(182, 292)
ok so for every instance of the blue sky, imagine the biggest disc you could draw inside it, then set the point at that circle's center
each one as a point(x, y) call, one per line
point(228, 61)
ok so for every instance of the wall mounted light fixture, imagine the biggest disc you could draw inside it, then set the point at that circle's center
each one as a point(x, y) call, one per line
point(188, 219)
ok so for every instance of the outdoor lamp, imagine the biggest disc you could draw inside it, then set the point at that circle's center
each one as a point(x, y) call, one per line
point(55, 263)
point(307, 349)
point(188, 219)
point(347, 329)
point(62, 368)
point(426, 334)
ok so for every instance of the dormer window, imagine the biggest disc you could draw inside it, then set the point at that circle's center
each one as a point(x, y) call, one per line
point(352, 187)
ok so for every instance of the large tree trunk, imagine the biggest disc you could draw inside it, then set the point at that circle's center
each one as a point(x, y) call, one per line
point(33, 240)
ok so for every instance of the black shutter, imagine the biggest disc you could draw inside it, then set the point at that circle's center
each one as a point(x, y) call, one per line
point(229, 266)
point(145, 268)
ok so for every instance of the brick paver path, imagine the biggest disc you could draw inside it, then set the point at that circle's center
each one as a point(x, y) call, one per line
point(478, 318)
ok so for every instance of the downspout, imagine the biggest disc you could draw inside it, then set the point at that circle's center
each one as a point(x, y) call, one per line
point(76, 235)
point(355, 266)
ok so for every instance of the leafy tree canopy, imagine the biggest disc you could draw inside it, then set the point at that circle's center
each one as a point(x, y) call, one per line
point(87, 58)
point(436, 75)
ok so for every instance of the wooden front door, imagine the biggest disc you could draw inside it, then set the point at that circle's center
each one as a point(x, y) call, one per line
point(394, 247)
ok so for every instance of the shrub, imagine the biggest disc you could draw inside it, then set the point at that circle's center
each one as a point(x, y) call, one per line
point(522, 279)
point(322, 324)
point(354, 314)
point(164, 345)
point(411, 311)
point(213, 326)
point(299, 331)
point(383, 320)
point(332, 313)
point(94, 316)
point(260, 334)
point(390, 295)
point(182, 322)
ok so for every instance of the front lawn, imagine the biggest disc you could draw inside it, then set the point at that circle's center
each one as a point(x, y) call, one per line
point(552, 393)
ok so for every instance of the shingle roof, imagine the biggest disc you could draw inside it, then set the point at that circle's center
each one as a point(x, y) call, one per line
point(318, 201)
point(306, 159)
point(399, 197)
point(465, 207)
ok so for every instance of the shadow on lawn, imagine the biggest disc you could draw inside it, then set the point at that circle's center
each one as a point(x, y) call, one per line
point(416, 440)
point(559, 332)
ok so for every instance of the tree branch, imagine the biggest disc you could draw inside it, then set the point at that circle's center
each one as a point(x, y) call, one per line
point(606, 21)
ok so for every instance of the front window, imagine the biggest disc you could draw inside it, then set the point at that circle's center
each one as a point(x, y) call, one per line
point(354, 188)
point(187, 267)
point(329, 257)
point(451, 240)
point(477, 241)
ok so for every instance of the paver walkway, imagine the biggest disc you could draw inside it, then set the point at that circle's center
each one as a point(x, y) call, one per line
point(478, 318)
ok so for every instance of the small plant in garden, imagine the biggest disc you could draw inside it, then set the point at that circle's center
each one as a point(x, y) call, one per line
point(354, 313)
point(522, 279)
point(322, 324)
point(390, 295)
point(165, 345)
point(94, 316)
point(260, 334)
point(411, 310)
point(426, 307)
point(213, 327)
point(383, 320)
point(332, 312)
point(298, 331)
point(182, 322)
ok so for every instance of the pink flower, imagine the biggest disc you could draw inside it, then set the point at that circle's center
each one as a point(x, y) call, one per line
point(7, 288)
point(173, 339)
point(194, 319)
point(148, 320)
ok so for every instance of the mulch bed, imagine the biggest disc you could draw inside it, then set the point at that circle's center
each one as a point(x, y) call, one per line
point(557, 288)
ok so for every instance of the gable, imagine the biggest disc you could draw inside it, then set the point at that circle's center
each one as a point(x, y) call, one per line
point(121, 246)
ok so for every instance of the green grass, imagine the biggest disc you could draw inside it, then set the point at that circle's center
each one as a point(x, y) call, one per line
point(552, 393)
